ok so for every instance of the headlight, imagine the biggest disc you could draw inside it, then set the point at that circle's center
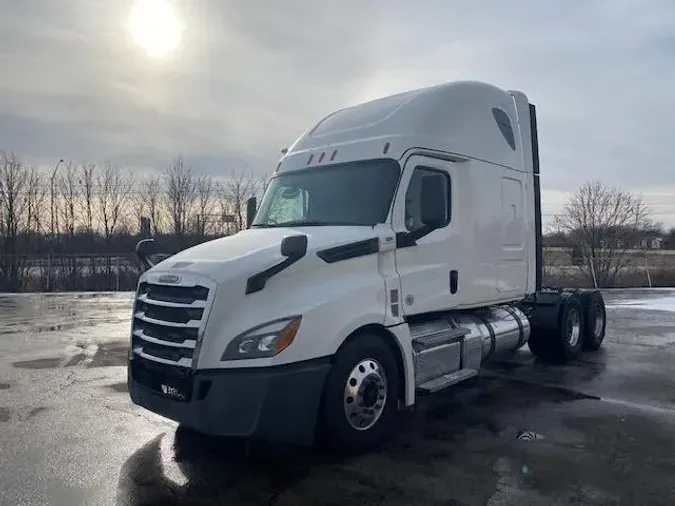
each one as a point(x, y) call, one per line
point(266, 340)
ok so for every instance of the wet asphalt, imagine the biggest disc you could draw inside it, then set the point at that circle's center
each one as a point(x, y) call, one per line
point(597, 431)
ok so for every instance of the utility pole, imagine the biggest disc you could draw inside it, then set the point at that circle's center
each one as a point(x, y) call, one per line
point(53, 196)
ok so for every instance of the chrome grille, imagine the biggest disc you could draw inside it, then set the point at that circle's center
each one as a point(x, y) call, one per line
point(168, 320)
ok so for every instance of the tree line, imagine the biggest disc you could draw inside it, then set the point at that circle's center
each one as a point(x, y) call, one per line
point(74, 226)
point(75, 211)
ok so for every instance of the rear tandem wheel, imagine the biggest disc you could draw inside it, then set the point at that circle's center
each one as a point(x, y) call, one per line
point(580, 325)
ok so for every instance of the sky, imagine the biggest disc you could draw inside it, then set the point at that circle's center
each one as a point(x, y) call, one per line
point(228, 83)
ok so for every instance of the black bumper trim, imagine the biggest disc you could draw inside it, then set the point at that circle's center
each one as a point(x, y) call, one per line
point(274, 403)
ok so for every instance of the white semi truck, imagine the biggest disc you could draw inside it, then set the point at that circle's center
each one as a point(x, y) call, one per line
point(396, 249)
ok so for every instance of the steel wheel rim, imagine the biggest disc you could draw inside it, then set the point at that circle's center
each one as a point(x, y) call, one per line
point(573, 327)
point(599, 320)
point(365, 394)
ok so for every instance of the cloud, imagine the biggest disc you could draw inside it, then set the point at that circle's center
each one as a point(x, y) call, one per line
point(249, 79)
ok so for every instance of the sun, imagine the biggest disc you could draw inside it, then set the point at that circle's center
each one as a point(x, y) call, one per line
point(155, 27)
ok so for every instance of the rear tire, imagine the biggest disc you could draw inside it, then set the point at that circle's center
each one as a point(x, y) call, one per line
point(595, 317)
point(565, 342)
point(360, 399)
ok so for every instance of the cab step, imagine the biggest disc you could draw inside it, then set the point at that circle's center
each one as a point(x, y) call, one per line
point(446, 380)
point(435, 333)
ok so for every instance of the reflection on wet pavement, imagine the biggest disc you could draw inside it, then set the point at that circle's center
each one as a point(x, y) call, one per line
point(596, 431)
point(37, 313)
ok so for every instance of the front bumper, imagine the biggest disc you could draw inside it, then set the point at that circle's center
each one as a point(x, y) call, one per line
point(274, 403)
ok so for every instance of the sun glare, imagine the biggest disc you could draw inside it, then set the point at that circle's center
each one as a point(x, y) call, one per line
point(155, 27)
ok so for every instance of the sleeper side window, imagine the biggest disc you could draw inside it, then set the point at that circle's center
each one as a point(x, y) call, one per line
point(413, 196)
point(504, 124)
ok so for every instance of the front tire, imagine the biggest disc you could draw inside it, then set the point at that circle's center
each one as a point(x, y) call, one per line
point(361, 395)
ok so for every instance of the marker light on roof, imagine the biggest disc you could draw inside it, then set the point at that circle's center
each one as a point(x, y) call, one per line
point(321, 156)
point(332, 157)
point(385, 148)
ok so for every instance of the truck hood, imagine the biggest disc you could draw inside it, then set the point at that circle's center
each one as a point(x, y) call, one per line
point(253, 250)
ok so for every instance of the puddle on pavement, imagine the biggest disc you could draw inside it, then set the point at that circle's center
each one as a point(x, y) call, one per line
point(110, 355)
point(107, 355)
point(551, 392)
point(13, 328)
point(4, 414)
point(44, 313)
point(36, 411)
point(119, 387)
point(40, 363)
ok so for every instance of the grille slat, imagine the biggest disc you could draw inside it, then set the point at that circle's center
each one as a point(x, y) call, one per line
point(162, 303)
point(166, 322)
point(175, 294)
point(175, 314)
point(173, 334)
point(172, 344)
point(142, 316)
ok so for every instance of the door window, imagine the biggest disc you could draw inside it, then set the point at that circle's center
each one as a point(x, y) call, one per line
point(413, 196)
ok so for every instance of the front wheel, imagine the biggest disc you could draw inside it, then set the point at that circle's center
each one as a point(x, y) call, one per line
point(361, 395)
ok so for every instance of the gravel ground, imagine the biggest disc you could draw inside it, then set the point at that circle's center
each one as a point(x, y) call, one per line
point(597, 431)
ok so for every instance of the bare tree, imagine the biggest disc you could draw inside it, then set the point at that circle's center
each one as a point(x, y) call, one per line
point(235, 191)
point(263, 183)
point(204, 187)
point(54, 202)
point(87, 173)
point(36, 195)
point(14, 204)
point(603, 224)
point(180, 195)
point(69, 191)
point(152, 191)
point(113, 189)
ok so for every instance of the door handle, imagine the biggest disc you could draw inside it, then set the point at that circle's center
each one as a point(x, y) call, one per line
point(454, 280)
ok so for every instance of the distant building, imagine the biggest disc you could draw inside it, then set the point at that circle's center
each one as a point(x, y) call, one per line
point(651, 243)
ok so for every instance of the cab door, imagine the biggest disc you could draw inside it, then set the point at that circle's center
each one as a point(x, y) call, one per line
point(431, 279)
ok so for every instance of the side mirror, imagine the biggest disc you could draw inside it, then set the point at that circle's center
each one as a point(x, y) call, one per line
point(294, 246)
point(144, 249)
point(434, 202)
point(251, 208)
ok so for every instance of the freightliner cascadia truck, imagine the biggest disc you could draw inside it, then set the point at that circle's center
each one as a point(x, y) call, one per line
point(397, 248)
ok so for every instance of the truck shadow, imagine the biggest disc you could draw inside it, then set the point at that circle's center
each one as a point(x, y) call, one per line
point(210, 470)
point(191, 468)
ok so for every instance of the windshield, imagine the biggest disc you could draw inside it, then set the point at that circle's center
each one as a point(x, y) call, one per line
point(348, 194)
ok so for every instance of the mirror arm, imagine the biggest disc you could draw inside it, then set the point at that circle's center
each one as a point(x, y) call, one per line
point(144, 256)
point(407, 239)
